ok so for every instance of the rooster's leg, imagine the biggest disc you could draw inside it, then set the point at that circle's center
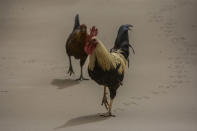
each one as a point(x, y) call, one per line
point(110, 107)
point(109, 114)
point(82, 61)
point(104, 101)
point(70, 70)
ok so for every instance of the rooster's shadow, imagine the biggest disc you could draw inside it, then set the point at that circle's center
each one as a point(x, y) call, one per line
point(64, 83)
point(83, 120)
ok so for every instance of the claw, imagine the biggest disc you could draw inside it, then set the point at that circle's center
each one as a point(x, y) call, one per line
point(105, 102)
point(106, 105)
point(70, 71)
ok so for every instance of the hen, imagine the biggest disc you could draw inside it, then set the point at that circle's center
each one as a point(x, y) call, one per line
point(107, 68)
point(75, 45)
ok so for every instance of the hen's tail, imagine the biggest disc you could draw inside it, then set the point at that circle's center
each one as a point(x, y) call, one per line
point(122, 41)
point(77, 23)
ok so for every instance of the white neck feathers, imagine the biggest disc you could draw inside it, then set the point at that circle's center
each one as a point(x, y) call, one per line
point(102, 56)
point(106, 60)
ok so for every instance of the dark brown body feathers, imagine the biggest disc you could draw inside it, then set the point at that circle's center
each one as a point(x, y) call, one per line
point(75, 45)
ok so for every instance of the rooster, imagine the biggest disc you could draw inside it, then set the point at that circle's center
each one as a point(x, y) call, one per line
point(75, 46)
point(107, 68)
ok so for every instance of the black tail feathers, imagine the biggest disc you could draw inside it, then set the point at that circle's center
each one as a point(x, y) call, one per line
point(77, 23)
point(132, 48)
point(122, 41)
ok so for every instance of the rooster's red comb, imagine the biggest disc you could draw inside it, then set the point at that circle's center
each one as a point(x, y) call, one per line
point(93, 32)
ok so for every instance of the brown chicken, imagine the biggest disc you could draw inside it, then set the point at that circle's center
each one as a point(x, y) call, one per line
point(75, 46)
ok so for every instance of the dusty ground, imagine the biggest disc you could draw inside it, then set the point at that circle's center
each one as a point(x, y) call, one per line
point(160, 87)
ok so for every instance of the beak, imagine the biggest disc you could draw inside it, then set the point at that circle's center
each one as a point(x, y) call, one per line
point(129, 26)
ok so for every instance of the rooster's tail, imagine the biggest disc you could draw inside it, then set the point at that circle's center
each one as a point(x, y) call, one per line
point(77, 23)
point(122, 41)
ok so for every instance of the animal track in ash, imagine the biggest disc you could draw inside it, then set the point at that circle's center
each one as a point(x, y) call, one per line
point(179, 40)
point(193, 26)
point(29, 61)
point(172, 76)
point(167, 86)
point(171, 58)
point(2, 92)
point(178, 62)
point(179, 83)
point(133, 100)
point(183, 2)
point(139, 97)
point(164, 92)
point(155, 92)
point(154, 17)
point(168, 28)
point(161, 86)
point(136, 98)
point(118, 109)
point(3, 58)
point(129, 103)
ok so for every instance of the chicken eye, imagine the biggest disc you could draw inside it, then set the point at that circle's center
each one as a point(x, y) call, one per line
point(94, 40)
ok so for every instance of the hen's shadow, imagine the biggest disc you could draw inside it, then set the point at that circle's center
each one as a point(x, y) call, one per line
point(64, 83)
point(83, 120)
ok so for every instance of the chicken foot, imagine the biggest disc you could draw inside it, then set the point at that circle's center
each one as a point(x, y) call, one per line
point(109, 114)
point(104, 101)
point(70, 70)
